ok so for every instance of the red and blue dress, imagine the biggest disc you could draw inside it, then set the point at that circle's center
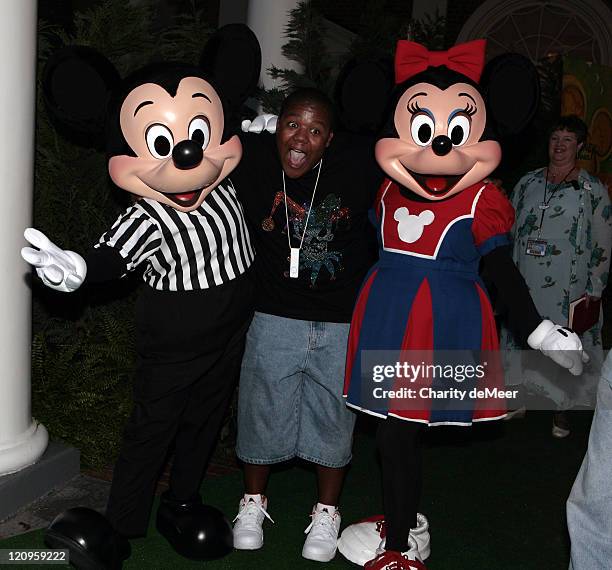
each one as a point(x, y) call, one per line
point(425, 295)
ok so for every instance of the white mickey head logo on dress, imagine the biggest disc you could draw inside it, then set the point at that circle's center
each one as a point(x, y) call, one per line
point(410, 227)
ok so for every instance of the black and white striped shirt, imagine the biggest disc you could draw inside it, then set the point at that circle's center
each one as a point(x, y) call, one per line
point(185, 251)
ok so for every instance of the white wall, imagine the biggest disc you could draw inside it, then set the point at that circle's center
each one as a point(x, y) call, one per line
point(268, 18)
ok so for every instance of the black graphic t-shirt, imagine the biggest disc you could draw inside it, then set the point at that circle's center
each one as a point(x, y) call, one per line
point(339, 244)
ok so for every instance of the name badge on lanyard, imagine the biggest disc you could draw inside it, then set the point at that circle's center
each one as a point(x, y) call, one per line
point(536, 247)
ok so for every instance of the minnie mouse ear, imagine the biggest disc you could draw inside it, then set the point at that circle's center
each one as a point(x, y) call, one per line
point(361, 94)
point(512, 90)
point(232, 58)
point(77, 82)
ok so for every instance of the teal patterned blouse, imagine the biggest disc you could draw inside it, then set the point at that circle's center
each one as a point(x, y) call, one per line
point(577, 227)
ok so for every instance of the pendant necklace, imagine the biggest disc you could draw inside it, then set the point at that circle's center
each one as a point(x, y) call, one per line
point(294, 252)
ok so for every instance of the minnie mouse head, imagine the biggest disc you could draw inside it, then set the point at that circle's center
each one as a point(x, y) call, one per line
point(164, 127)
point(440, 138)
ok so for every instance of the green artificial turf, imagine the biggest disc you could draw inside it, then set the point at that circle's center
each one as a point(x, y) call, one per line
point(494, 495)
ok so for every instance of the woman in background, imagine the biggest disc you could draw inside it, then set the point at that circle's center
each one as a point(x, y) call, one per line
point(562, 237)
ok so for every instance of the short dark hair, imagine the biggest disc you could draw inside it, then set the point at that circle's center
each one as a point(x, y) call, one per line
point(311, 96)
point(572, 124)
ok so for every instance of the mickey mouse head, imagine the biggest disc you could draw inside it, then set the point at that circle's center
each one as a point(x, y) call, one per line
point(167, 127)
point(410, 227)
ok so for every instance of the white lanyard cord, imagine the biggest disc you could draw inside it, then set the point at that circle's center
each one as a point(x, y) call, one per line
point(309, 208)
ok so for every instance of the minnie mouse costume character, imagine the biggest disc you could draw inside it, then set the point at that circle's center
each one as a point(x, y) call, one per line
point(165, 128)
point(436, 220)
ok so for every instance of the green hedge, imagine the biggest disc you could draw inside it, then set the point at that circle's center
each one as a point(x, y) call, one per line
point(82, 345)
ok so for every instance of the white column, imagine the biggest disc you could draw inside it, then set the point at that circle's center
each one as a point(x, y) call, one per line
point(22, 440)
point(268, 19)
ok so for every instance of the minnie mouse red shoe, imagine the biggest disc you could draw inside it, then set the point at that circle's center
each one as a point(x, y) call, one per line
point(394, 560)
point(365, 539)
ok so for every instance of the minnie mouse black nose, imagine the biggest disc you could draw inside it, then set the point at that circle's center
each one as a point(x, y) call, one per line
point(441, 145)
point(187, 154)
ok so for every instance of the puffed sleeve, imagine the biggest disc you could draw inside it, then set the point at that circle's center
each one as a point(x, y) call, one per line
point(493, 220)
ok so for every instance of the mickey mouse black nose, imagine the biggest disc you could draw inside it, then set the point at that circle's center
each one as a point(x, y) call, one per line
point(441, 145)
point(187, 154)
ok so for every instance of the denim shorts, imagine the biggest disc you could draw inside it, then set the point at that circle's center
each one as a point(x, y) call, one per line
point(290, 400)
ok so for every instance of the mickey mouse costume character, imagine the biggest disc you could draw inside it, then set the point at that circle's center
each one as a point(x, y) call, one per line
point(437, 219)
point(165, 130)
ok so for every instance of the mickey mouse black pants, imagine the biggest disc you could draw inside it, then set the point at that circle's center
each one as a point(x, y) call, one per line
point(189, 347)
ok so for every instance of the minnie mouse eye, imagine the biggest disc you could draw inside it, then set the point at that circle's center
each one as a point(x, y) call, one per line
point(459, 129)
point(159, 141)
point(422, 129)
point(199, 131)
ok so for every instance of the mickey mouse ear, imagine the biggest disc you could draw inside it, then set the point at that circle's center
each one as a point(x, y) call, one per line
point(232, 58)
point(362, 92)
point(77, 82)
point(512, 90)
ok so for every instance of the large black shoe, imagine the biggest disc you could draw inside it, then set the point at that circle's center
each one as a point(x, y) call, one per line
point(194, 530)
point(92, 542)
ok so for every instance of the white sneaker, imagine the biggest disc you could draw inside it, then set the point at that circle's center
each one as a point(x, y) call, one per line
point(322, 540)
point(248, 527)
point(364, 540)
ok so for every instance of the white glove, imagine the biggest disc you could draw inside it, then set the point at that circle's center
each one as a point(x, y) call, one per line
point(260, 123)
point(58, 269)
point(560, 344)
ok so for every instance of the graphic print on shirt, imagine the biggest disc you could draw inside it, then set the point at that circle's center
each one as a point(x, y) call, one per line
point(324, 221)
point(410, 227)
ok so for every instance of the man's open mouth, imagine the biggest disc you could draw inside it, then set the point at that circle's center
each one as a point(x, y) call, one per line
point(296, 158)
point(436, 184)
point(184, 199)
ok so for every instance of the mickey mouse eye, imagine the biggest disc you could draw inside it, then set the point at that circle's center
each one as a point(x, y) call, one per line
point(199, 131)
point(459, 129)
point(422, 129)
point(159, 141)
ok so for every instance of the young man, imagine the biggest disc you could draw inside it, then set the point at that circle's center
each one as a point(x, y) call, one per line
point(306, 193)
